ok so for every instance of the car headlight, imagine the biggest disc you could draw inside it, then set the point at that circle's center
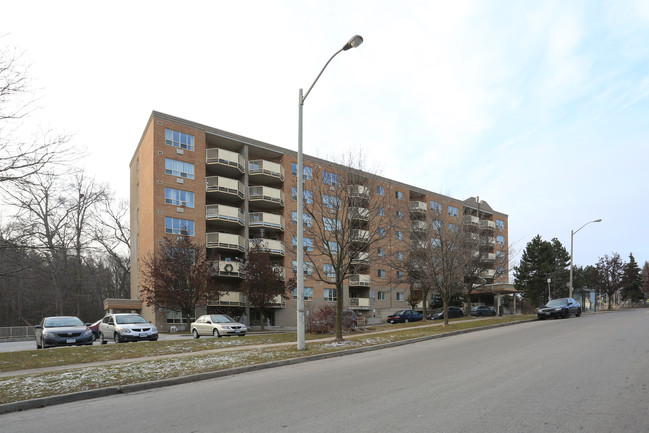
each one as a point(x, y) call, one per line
point(226, 327)
point(124, 330)
point(48, 335)
point(87, 332)
point(154, 330)
point(557, 309)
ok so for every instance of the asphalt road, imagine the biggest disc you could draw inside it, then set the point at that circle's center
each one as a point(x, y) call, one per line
point(587, 374)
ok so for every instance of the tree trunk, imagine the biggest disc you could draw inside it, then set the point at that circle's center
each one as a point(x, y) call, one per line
point(261, 316)
point(445, 307)
point(339, 312)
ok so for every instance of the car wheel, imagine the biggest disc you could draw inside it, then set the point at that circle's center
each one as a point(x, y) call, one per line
point(578, 313)
point(117, 337)
point(566, 315)
point(38, 346)
point(102, 339)
point(216, 333)
point(195, 332)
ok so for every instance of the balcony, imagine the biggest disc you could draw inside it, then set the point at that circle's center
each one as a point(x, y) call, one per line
point(471, 220)
point(225, 241)
point(225, 188)
point(359, 303)
point(266, 220)
point(229, 269)
point(266, 197)
point(231, 298)
point(359, 191)
point(226, 162)
point(486, 224)
point(489, 257)
point(419, 226)
point(271, 245)
point(417, 207)
point(488, 273)
point(266, 171)
point(488, 240)
point(361, 259)
point(359, 213)
point(359, 280)
point(227, 214)
point(359, 235)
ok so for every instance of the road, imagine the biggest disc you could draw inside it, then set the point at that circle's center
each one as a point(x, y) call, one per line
point(587, 374)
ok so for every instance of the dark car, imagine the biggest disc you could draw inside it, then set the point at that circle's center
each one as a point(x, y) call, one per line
point(482, 310)
point(560, 307)
point(405, 316)
point(453, 312)
point(62, 331)
point(349, 319)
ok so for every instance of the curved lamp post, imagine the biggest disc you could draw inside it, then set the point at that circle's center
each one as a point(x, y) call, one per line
point(572, 234)
point(352, 43)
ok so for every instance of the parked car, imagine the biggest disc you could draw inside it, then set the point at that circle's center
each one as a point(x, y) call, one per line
point(350, 321)
point(405, 316)
point(95, 329)
point(453, 312)
point(217, 325)
point(62, 331)
point(122, 327)
point(482, 310)
point(560, 307)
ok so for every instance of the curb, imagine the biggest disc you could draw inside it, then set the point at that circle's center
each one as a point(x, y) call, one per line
point(136, 387)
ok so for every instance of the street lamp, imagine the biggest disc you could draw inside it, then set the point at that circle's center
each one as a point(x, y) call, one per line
point(352, 43)
point(572, 234)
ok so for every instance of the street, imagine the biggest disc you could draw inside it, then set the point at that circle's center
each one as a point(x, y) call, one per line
point(586, 374)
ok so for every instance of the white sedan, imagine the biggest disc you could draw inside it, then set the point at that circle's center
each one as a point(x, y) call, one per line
point(217, 325)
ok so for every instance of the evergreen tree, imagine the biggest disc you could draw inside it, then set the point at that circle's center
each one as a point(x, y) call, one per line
point(645, 279)
point(541, 260)
point(632, 289)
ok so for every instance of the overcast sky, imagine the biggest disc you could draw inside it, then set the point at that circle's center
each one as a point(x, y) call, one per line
point(539, 108)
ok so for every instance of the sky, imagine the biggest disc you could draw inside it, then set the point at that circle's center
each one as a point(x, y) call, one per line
point(539, 108)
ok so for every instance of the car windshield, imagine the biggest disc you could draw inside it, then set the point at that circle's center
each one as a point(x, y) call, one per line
point(399, 313)
point(557, 303)
point(130, 319)
point(221, 318)
point(60, 322)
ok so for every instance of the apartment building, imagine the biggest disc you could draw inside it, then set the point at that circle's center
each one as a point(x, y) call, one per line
point(227, 191)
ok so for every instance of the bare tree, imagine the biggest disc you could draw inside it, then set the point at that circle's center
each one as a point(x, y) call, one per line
point(178, 276)
point(265, 281)
point(344, 219)
point(609, 275)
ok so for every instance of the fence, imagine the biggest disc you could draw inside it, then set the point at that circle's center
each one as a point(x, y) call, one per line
point(16, 333)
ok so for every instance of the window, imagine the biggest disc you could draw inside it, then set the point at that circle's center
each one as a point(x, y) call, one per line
point(308, 293)
point(500, 224)
point(435, 206)
point(399, 214)
point(179, 226)
point(400, 296)
point(179, 168)
point(331, 224)
point(307, 242)
point(380, 190)
point(308, 219)
point(380, 296)
point(330, 295)
point(400, 275)
point(328, 270)
point(398, 195)
point(453, 228)
point(380, 252)
point(331, 201)
point(436, 224)
point(329, 178)
point(178, 197)
point(399, 255)
point(306, 170)
point(436, 243)
point(308, 268)
point(331, 246)
point(380, 231)
point(307, 195)
point(174, 317)
point(500, 255)
point(400, 236)
point(179, 139)
point(381, 211)
point(501, 270)
point(381, 273)
point(453, 211)
point(500, 239)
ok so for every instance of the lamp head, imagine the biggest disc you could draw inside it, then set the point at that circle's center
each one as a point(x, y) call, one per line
point(353, 42)
point(598, 221)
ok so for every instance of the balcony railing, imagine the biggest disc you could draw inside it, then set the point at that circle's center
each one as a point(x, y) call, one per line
point(361, 259)
point(225, 185)
point(359, 303)
point(225, 157)
point(486, 224)
point(362, 280)
point(224, 213)
point(419, 226)
point(226, 241)
point(359, 191)
point(359, 235)
point(267, 220)
point(268, 168)
point(488, 240)
point(229, 269)
point(471, 220)
point(417, 206)
point(271, 245)
point(488, 273)
point(232, 298)
point(359, 213)
point(266, 194)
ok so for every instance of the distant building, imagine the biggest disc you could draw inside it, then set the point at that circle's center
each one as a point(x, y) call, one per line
point(225, 189)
